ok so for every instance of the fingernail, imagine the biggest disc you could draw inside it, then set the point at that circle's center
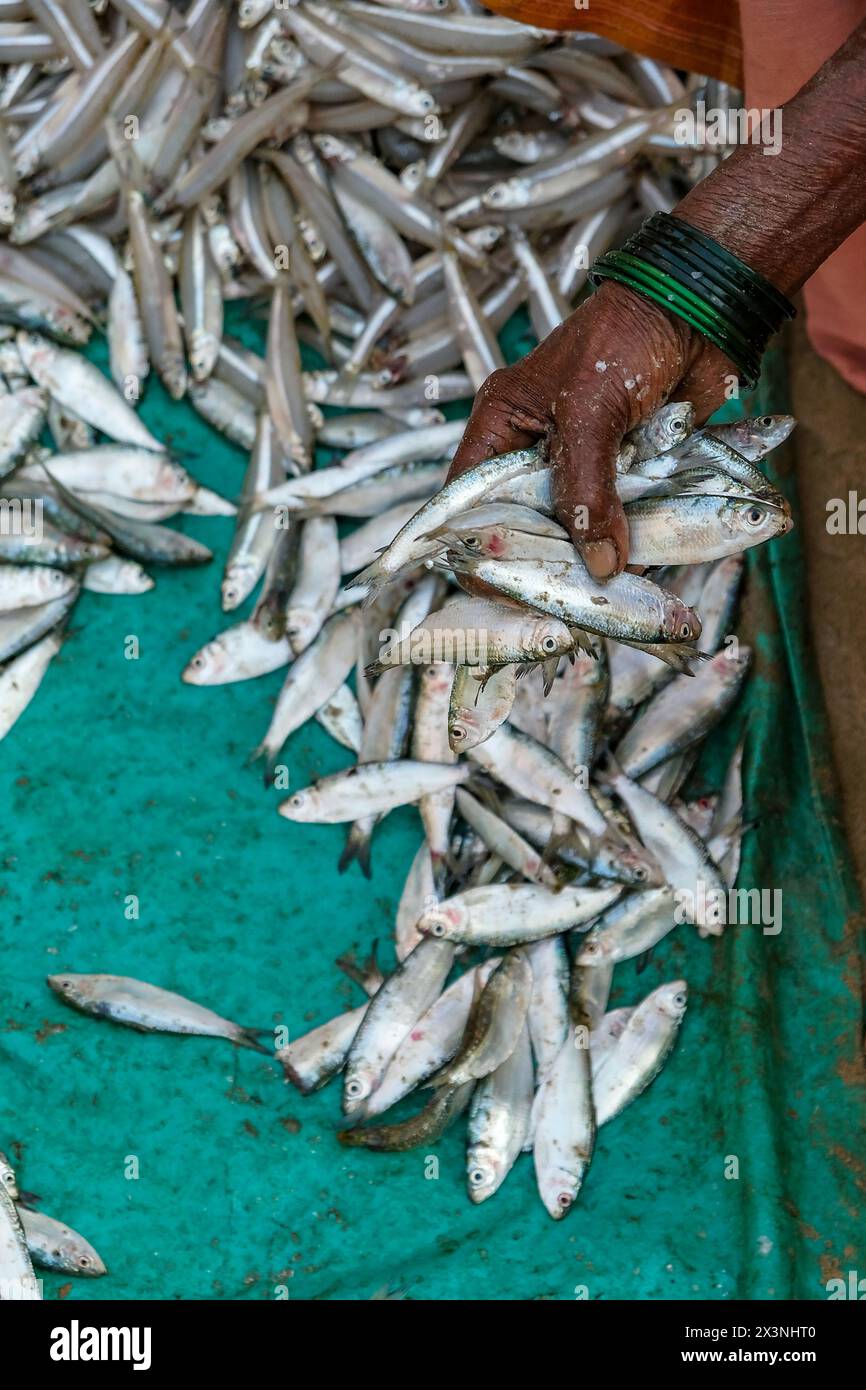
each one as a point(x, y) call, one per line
point(600, 558)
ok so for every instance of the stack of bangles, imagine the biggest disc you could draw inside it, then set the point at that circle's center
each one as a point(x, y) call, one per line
point(687, 272)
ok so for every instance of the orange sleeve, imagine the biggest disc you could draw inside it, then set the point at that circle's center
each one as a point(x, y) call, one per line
point(700, 35)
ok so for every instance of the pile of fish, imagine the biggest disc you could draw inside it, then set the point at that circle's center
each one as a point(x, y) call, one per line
point(386, 184)
point(545, 726)
point(82, 515)
point(28, 1237)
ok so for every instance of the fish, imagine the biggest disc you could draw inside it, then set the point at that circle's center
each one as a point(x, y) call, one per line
point(508, 914)
point(683, 712)
point(16, 1269)
point(395, 1009)
point(453, 499)
point(499, 1121)
point(479, 702)
point(52, 1245)
point(374, 191)
point(8, 1180)
point(627, 606)
point(21, 677)
point(564, 1126)
point(639, 1053)
point(629, 927)
point(495, 1024)
point(431, 1042)
point(370, 789)
point(77, 384)
point(691, 530)
point(148, 1008)
point(683, 857)
point(430, 1123)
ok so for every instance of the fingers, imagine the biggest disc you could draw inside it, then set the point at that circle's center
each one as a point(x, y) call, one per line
point(588, 431)
point(494, 425)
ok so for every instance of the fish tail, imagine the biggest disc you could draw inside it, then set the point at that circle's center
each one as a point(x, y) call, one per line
point(270, 756)
point(372, 578)
point(353, 1139)
point(249, 1037)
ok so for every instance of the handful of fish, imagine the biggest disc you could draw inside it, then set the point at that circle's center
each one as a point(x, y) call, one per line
point(387, 183)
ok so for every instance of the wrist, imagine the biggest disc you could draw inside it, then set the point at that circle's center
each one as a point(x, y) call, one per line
point(745, 226)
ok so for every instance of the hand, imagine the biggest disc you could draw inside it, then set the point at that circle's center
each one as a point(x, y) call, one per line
point(611, 364)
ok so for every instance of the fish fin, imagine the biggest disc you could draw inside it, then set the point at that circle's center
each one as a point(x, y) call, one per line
point(373, 975)
point(679, 655)
point(568, 834)
point(376, 668)
point(583, 642)
point(643, 961)
point(357, 847)
point(548, 672)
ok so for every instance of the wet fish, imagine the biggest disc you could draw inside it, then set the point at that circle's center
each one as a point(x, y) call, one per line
point(148, 1008)
point(53, 1245)
point(640, 1052)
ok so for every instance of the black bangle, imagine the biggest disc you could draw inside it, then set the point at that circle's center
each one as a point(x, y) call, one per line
point(674, 264)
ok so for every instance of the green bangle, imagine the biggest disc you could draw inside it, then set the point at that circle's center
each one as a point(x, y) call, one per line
point(728, 300)
point(692, 276)
point(663, 290)
point(706, 314)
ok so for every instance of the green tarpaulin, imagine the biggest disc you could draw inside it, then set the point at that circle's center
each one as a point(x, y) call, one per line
point(199, 1173)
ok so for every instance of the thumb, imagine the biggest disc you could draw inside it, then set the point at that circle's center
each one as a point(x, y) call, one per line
point(584, 446)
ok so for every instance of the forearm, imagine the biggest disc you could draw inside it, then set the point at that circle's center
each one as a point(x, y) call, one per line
point(785, 214)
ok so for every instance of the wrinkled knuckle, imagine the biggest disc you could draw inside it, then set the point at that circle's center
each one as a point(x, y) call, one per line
point(495, 388)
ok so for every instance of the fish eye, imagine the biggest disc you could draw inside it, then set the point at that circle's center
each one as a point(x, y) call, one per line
point(472, 542)
point(83, 1262)
point(297, 800)
point(678, 426)
point(437, 929)
point(680, 1000)
point(354, 1089)
point(477, 1177)
point(458, 733)
point(766, 421)
point(549, 644)
point(685, 630)
point(640, 873)
point(754, 516)
point(564, 1201)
